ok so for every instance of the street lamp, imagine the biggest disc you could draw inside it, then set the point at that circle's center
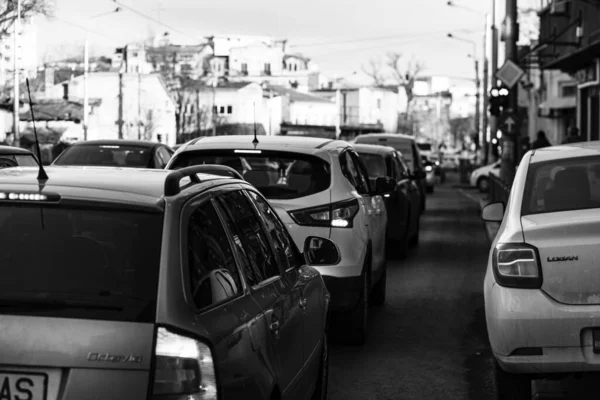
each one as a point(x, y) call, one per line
point(86, 62)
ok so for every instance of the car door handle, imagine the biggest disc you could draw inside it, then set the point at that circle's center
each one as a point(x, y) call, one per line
point(303, 303)
point(274, 327)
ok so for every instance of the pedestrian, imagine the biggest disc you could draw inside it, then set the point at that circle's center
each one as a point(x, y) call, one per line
point(573, 136)
point(541, 141)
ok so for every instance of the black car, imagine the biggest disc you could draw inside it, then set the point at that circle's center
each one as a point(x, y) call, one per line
point(116, 153)
point(403, 205)
point(16, 157)
point(156, 284)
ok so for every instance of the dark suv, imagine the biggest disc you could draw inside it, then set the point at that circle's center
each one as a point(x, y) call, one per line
point(155, 284)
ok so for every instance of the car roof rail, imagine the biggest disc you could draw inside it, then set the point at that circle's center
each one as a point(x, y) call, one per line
point(172, 183)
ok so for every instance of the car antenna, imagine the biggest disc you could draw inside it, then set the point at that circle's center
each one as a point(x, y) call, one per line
point(255, 141)
point(42, 176)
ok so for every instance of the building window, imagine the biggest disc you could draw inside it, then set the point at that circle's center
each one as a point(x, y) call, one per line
point(267, 68)
point(379, 104)
point(134, 54)
point(295, 67)
point(229, 109)
point(244, 69)
point(222, 110)
point(568, 90)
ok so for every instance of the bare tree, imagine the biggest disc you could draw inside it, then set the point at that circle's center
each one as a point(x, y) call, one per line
point(29, 8)
point(405, 76)
point(375, 71)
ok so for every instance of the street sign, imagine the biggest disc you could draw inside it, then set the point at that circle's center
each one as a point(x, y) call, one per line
point(510, 73)
point(508, 123)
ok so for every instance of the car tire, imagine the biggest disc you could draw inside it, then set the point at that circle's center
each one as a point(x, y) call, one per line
point(512, 386)
point(320, 392)
point(359, 315)
point(430, 189)
point(398, 249)
point(379, 291)
point(483, 184)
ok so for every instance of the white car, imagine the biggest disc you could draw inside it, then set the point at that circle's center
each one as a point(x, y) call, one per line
point(318, 187)
point(542, 285)
point(480, 176)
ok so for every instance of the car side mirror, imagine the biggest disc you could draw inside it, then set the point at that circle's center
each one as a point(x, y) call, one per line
point(320, 251)
point(493, 212)
point(417, 175)
point(385, 185)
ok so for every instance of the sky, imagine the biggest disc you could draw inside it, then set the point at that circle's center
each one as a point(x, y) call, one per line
point(340, 36)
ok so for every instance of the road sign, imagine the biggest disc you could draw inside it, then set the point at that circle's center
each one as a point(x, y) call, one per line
point(509, 123)
point(510, 73)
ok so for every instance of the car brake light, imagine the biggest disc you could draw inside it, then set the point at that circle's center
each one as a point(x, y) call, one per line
point(338, 215)
point(429, 168)
point(184, 368)
point(29, 196)
point(517, 265)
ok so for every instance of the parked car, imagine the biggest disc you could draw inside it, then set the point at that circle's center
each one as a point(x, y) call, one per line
point(116, 153)
point(321, 188)
point(406, 145)
point(437, 167)
point(541, 286)
point(402, 203)
point(167, 284)
point(16, 157)
point(430, 176)
point(480, 176)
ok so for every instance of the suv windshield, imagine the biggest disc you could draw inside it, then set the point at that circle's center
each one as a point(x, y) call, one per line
point(79, 262)
point(106, 155)
point(277, 175)
point(562, 185)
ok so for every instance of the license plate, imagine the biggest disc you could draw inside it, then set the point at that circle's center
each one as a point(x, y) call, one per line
point(19, 385)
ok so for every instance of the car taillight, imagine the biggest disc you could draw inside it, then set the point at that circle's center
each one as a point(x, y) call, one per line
point(517, 265)
point(338, 215)
point(428, 168)
point(184, 368)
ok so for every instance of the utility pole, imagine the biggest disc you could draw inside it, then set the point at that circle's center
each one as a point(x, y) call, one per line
point(16, 108)
point(494, 59)
point(86, 67)
point(120, 120)
point(510, 151)
point(477, 97)
point(139, 101)
point(484, 140)
point(214, 106)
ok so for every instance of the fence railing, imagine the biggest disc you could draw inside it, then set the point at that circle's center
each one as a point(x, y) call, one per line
point(499, 190)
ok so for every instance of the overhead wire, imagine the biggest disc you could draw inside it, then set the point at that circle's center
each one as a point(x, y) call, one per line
point(84, 28)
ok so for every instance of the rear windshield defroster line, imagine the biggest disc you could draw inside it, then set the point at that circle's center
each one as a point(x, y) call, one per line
point(81, 263)
point(278, 175)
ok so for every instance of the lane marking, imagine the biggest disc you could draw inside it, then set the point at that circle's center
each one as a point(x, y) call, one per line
point(469, 196)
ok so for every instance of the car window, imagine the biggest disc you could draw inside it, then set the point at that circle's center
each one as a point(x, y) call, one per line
point(284, 244)
point(350, 171)
point(213, 274)
point(106, 155)
point(362, 171)
point(279, 175)
point(375, 165)
point(562, 185)
point(158, 161)
point(17, 160)
point(164, 154)
point(261, 262)
point(100, 257)
point(399, 167)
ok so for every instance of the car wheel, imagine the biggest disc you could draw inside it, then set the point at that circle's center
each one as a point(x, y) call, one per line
point(359, 315)
point(483, 184)
point(430, 189)
point(379, 291)
point(512, 386)
point(320, 392)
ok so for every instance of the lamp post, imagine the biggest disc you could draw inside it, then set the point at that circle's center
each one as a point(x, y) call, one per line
point(86, 67)
point(16, 108)
point(477, 80)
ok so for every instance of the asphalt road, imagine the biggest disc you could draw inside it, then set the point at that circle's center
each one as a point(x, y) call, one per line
point(429, 340)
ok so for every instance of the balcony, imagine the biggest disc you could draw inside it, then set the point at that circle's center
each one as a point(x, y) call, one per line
point(569, 35)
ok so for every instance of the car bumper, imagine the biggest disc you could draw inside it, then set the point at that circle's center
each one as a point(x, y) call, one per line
point(530, 319)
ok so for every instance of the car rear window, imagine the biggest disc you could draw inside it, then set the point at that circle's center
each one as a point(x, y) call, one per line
point(79, 262)
point(562, 185)
point(17, 160)
point(375, 165)
point(404, 146)
point(106, 155)
point(278, 175)
point(424, 146)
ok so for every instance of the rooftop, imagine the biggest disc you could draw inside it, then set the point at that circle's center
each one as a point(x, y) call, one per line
point(297, 96)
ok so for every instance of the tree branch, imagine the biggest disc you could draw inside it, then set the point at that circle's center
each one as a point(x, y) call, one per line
point(375, 71)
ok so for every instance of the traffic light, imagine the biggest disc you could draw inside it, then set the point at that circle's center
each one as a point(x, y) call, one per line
point(498, 100)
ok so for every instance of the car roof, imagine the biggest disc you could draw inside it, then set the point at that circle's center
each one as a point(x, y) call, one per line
point(118, 142)
point(581, 149)
point(14, 150)
point(385, 136)
point(373, 149)
point(298, 144)
point(136, 186)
